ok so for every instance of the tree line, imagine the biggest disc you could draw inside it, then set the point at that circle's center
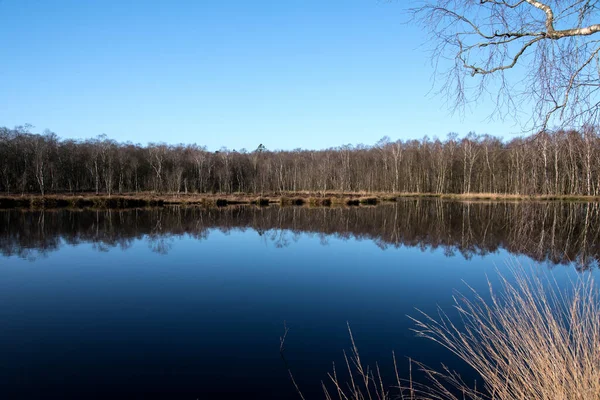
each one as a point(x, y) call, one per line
point(561, 162)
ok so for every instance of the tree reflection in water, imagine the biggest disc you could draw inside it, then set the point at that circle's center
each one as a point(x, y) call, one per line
point(549, 232)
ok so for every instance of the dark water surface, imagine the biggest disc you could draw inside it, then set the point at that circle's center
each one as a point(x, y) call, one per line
point(189, 303)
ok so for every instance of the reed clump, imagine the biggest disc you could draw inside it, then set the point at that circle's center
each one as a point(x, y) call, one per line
point(370, 201)
point(70, 201)
point(320, 201)
point(529, 340)
point(488, 196)
point(289, 201)
point(261, 201)
point(214, 202)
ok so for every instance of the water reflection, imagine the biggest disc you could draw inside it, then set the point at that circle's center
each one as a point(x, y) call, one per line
point(553, 232)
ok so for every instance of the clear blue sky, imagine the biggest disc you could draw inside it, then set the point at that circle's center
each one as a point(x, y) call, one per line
point(234, 73)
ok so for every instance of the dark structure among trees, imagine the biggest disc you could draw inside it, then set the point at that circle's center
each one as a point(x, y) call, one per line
point(555, 163)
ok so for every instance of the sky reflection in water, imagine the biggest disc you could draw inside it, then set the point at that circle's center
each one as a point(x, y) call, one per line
point(190, 303)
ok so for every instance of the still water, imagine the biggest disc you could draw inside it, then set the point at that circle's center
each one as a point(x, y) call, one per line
point(190, 303)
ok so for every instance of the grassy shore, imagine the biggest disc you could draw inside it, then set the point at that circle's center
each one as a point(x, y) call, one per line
point(527, 339)
point(326, 199)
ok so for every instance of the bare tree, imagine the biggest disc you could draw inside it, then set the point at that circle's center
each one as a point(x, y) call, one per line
point(541, 55)
point(562, 162)
point(157, 155)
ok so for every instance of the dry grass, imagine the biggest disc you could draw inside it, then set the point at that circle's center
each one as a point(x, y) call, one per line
point(82, 200)
point(288, 201)
point(319, 202)
point(369, 200)
point(260, 201)
point(530, 340)
point(76, 201)
point(515, 197)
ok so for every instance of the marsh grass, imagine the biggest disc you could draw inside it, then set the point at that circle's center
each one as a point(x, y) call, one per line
point(314, 199)
point(371, 201)
point(390, 199)
point(531, 339)
point(260, 201)
point(289, 201)
point(319, 201)
point(516, 197)
point(64, 201)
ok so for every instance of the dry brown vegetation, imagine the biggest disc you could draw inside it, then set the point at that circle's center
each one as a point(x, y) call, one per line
point(529, 340)
point(288, 199)
point(502, 196)
point(82, 201)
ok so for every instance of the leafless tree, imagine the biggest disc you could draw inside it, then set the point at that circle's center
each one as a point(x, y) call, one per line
point(561, 162)
point(538, 55)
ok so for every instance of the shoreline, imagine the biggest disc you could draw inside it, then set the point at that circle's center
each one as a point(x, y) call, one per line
point(327, 199)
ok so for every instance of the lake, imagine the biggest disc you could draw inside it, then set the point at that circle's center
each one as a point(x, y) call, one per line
point(190, 303)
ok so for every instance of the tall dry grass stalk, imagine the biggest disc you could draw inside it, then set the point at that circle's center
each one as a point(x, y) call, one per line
point(530, 340)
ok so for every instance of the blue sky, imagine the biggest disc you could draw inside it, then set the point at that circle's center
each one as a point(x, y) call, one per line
point(234, 73)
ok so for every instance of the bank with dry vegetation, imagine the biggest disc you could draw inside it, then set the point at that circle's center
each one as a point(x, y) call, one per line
point(327, 199)
point(529, 339)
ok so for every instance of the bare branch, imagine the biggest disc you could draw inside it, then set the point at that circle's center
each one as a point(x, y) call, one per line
point(548, 44)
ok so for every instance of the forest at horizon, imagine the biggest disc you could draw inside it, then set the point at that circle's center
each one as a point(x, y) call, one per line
point(561, 162)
